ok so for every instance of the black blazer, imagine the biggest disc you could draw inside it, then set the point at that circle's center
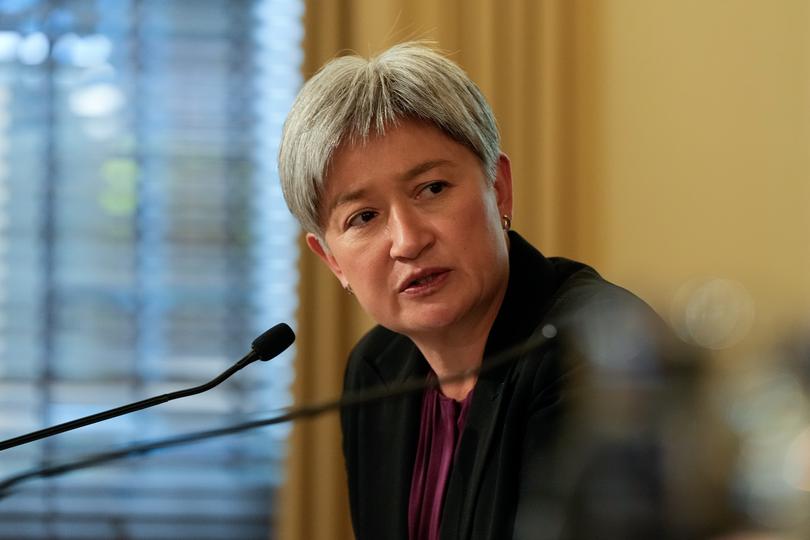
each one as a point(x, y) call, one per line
point(514, 415)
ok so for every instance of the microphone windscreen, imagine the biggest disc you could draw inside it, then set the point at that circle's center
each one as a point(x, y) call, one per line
point(273, 341)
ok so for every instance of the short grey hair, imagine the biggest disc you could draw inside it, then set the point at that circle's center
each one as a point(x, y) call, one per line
point(353, 97)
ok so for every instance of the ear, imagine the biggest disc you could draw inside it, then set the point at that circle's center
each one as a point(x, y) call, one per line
point(317, 247)
point(503, 185)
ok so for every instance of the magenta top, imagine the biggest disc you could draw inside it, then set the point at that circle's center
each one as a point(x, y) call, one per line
point(440, 430)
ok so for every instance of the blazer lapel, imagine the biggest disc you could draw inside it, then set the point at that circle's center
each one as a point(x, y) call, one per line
point(397, 440)
point(472, 455)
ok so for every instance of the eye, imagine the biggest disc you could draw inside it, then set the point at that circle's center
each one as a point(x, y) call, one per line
point(361, 219)
point(433, 188)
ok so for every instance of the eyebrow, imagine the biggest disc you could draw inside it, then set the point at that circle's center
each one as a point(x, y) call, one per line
point(413, 172)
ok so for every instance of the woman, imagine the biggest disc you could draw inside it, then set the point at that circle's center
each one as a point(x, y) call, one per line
point(393, 167)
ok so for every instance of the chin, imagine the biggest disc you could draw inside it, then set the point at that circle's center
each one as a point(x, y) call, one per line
point(426, 322)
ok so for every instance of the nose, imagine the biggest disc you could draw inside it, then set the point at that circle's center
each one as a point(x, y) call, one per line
point(410, 233)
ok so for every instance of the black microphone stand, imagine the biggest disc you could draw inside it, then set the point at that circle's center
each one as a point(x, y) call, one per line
point(266, 346)
point(371, 395)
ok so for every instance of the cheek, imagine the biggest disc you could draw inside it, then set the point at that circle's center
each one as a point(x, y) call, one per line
point(488, 233)
point(493, 212)
point(483, 215)
point(364, 268)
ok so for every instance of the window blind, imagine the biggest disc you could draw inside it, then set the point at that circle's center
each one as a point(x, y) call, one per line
point(144, 243)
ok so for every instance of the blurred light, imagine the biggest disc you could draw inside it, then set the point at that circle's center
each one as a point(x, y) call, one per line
point(33, 49)
point(797, 462)
point(617, 337)
point(96, 100)
point(9, 41)
point(714, 313)
point(63, 47)
point(766, 404)
point(770, 414)
point(89, 51)
point(93, 50)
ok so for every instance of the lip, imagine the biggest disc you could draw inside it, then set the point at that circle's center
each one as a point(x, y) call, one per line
point(439, 276)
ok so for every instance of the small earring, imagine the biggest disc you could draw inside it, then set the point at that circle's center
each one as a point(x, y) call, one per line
point(348, 289)
point(506, 222)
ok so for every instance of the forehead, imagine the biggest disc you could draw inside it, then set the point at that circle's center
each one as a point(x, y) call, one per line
point(403, 151)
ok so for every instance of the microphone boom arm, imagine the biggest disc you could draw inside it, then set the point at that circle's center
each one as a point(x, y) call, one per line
point(365, 397)
point(269, 344)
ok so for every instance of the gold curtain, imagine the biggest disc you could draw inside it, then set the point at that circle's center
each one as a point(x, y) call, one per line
point(514, 50)
point(658, 141)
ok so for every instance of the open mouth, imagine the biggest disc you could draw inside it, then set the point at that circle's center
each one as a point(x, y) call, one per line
point(425, 282)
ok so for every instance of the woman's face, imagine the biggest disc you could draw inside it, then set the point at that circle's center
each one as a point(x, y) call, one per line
point(414, 227)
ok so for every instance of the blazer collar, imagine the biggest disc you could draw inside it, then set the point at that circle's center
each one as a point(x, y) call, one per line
point(532, 282)
point(399, 362)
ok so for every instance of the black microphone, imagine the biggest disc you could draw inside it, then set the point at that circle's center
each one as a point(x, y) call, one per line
point(268, 345)
point(355, 399)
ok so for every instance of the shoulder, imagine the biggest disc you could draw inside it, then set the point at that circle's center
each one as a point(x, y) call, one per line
point(543, 288)
point(581, 287)
point(606, 325)
point(555, 290)
point(599, 323)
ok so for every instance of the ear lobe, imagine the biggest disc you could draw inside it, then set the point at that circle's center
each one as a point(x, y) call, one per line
point(315, 245)
point(503, 185)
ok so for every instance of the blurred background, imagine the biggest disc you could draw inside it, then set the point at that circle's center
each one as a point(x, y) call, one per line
point(144, 243)
point(143, 240)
